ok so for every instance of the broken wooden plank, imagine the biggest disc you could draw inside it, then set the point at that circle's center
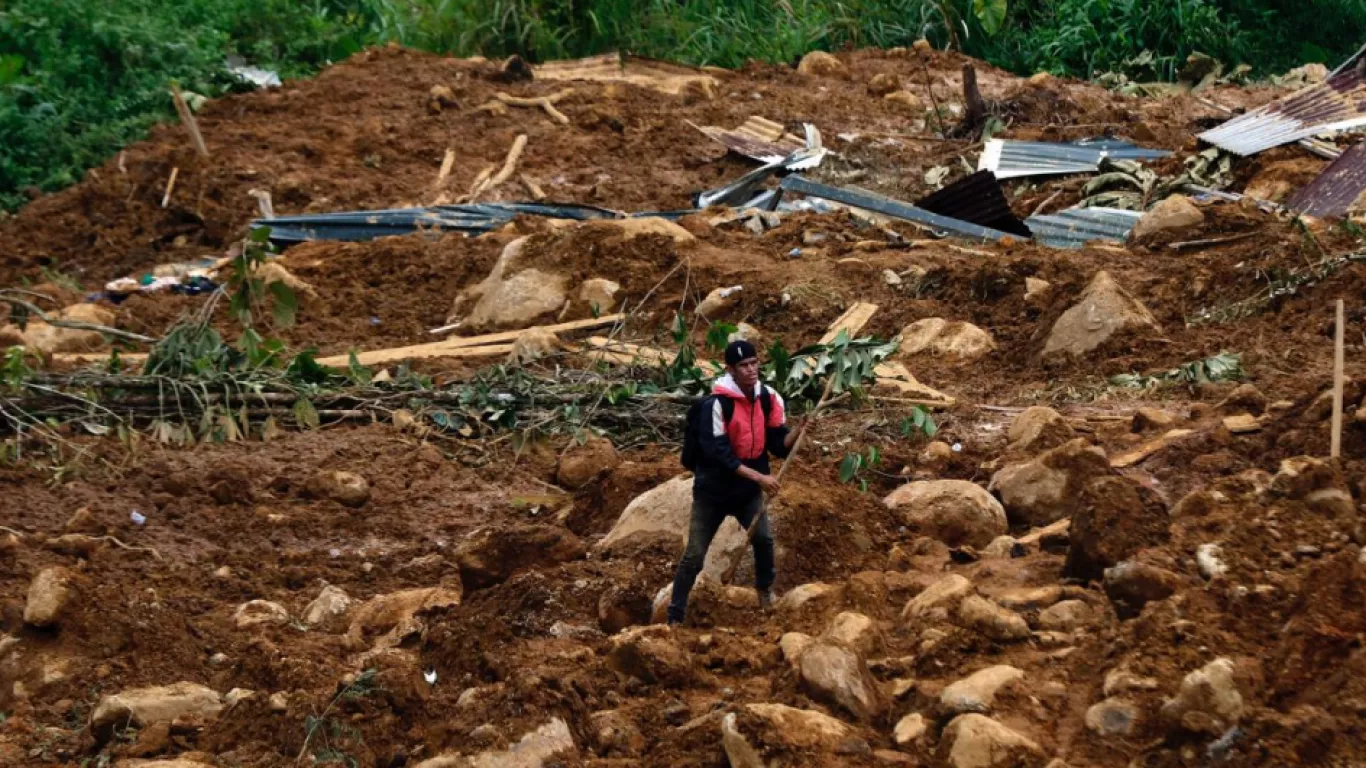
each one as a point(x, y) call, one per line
point(601, 348)
point(897, 376)
point(417, 352)
point(1242, 424)
point(494, 338)
point(1149, 448)
point(851, 322)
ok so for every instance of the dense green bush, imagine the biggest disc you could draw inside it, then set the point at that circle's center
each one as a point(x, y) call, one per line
point(81, 78)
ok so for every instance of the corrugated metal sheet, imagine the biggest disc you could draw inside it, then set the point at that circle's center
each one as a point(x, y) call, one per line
point(1335, 191)
point(757, 138)
point(975, 198)
point(1075, 227)
point(1013, 159)
point(356, 226)
point(1333, 105)
point(886, 206)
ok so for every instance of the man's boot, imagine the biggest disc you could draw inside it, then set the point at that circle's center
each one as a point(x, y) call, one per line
point(765, 598)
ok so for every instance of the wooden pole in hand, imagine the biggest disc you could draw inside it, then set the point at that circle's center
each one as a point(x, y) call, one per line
point(1338, 362)
point(796, 446)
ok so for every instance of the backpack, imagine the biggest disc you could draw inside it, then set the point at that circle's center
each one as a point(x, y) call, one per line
point(698, 420)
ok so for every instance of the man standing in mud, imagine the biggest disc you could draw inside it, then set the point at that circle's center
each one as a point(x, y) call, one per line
point(740, 423)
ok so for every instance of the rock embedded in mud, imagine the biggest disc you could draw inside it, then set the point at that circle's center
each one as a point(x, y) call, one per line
point(822, 64)
point(719, 303)
point(1036, 289)
point(1113, 717)
point(1198, 503)
point(1046, 489)
point(800, 596)
point(988, 618)
point(1115, 519)
point(666, 509)
point(345, 488)
point(82, 521)
point(955, 512)
point(329, 609)
point(793, 645)
point(1131, 585)
point(946, 593)
point(953, 339)
point(1150, 419)
point(856, 631)
point(1104, 311)
point(397, 611)
point(491, 556)
point(883, 83)
point(909, 729)
point(839, 677)
point(256, 613)
point(1039, 428)
point(1175, 212)
point(1210, 690)
point(651, 655)
point(1066, 616)
point(1300, 476)
point(533, 344)
point(977, 692)
point(1245, 397)
point(905, 99)
point(614, 733)
point(49, 596)
point(977, 741)
point(534, 750)
point(582, 464)
point(440, 97)
point(600, 294)
point(144, 706)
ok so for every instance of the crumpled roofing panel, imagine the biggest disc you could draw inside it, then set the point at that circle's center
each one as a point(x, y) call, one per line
point(871, 201)
point(1075, 227)
point(1011, 159)
point(1335, 191)
point(1336, 104)
point(976, 198)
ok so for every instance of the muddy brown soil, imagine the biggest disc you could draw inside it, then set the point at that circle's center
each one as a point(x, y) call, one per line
point(534, 635)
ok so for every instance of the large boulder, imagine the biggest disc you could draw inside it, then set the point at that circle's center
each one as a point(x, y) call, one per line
point(1116, 518)
point(953, 339)
point(855, 631)
point(582, 464)
point(510, 296)
point(1046, 489)
point(977, 741)
point(1175, 212)
point(1104, 310)
point(955, 512)
point(1039, 428)
point(839, 677)
point(144, 706)
point(49, 594)
point(665, 510)
point(491, 555)
point(651, 655)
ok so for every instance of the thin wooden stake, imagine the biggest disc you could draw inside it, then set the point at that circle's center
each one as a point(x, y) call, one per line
point(187, 117)
point(1338, 362)
point(170, 187)
point(446, 164)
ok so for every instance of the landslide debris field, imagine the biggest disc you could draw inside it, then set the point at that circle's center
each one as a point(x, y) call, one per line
point(1122, 541)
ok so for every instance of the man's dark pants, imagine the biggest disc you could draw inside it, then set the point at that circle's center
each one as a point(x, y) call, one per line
point(707, 517)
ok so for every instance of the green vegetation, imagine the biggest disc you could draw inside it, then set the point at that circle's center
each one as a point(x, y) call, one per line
point(81, 78)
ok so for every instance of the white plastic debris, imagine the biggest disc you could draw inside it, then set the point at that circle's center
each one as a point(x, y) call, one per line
point(334, 552)
point(957, 447)
point(137, 517)
point(430, 676)
point(261, 78)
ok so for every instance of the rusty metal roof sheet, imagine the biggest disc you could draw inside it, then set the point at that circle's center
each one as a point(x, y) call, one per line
point(757, 138)
point(1336, 104)
point(975, 198)
point(1337, 190)
point(1011, 159)
point(1075, 227)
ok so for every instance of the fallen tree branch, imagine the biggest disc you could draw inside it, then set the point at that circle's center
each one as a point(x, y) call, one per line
point(77, 325)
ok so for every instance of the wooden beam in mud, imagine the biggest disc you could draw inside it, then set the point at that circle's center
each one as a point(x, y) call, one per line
point(1149, 448)
point(852, 321)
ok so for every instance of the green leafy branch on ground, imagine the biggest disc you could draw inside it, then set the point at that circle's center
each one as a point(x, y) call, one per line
point(1221, 367)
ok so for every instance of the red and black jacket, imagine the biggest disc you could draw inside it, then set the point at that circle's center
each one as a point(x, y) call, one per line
point(747, 437)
